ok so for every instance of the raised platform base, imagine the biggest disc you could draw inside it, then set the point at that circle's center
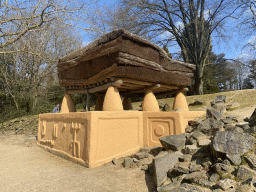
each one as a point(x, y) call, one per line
point(96, 137)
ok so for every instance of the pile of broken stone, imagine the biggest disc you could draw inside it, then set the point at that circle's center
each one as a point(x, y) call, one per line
point(215, 154)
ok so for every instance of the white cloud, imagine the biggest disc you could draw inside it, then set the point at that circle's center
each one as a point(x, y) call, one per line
point(179, 24)
point(207, 13)
point(85, 43)
point(252, 40)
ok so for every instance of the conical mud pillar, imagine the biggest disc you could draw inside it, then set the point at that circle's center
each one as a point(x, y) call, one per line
point(127, 104)
point(67, 104)
point(99, 103)
point(112, 100)
point(150, 103)
point(180, 102)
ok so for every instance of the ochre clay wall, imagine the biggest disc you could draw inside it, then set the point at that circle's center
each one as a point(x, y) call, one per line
point(96, 137)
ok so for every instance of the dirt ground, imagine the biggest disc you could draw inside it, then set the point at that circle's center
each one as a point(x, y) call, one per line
point(26, 167)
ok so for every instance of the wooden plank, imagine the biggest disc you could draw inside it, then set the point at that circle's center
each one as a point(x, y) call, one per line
point(66, 82)
point(142, 90)
point(76, 91)
point(133, 81)
point(117, 83)
point(105, 73)
point(95, 52)
point(134, 60)
point(101, 76)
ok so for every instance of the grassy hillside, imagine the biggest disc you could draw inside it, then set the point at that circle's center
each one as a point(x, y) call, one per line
point(239, 99)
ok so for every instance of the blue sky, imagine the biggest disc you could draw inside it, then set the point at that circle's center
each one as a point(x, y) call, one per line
point(232, 47)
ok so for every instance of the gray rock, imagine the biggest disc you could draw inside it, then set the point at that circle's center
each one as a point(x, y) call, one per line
point(156, 150)
point(235, 129)
point(161, 105)
point(243, 125)
point(191, 149)
point(195, 177)
point(213, 113)
point(251, 182)
point(185, 187)
point(144, 167)
point(194, 123)
point(227, 121)
point(220, 168)
point(251, 160)
point(252, 119)
point(214, 177)
point(196, 102)
point(198, 135)
point(245, 173)
point(226, 162)
point(251, 130)
point(206, 183)
point(192, 141)
point(220, 98)
point(162, 164)
point(147, 160)
point(135, 160)
point(166, 107)
point(189, 129)
point(210, 126)
point(141, 155)
point(232, 144)
point(217, 190)
point(228, 126)
point(169, 186)
point(234, 158)
point(225, 184)
point(177, 109)
point(220, 107)
point(173, 142)
point(206, 164)
point(145, 149)
point(128, 162)
point(245, 188)
point(185, 158)
point(177, 171)
point(204, 142)
point(195, 167)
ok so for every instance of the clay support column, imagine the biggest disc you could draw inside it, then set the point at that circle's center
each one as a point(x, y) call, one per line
point(180, 101)
point(67, 104)
point(127, 104)
point(112, 100)
point(99, 102)
point(150, 103)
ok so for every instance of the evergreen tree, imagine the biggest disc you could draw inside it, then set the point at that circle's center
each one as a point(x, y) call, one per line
point(252, 66)
point(247, 84)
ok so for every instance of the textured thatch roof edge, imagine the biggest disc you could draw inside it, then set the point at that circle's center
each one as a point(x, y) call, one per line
point(115, 34)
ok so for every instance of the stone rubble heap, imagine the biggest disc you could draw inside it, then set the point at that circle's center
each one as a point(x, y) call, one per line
point(215, 154)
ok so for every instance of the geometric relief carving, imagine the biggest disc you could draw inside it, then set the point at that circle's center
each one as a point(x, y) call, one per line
point(44, 128)
point(159, 130)
point(51, 142)
point(75, 144)
point(55, 130)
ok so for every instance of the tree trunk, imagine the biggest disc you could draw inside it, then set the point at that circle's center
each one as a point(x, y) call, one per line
point(199, 80)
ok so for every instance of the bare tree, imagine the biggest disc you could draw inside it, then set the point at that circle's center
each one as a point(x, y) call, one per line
point(248, 23)
point(24, 73)
point(190, 23)
point(19, 17)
